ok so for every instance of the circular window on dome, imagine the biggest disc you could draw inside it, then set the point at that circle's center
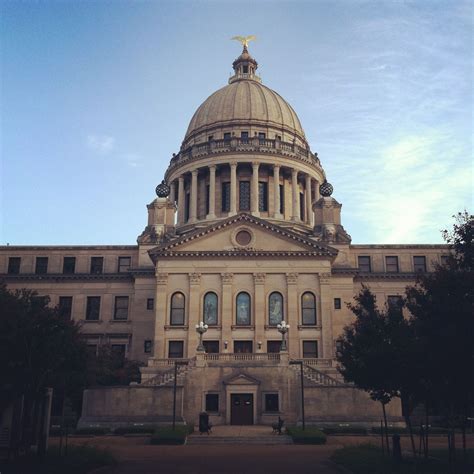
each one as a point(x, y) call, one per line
point(243, 238)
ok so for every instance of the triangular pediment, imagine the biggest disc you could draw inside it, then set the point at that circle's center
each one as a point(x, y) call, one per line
point(243, 235)
point(241, 379)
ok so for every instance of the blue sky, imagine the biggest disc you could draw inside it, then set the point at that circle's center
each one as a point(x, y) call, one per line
point(96, 96)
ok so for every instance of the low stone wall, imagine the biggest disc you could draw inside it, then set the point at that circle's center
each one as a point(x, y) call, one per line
point(118, 406)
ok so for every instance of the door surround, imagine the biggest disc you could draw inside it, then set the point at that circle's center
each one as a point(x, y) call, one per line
point(239, 384)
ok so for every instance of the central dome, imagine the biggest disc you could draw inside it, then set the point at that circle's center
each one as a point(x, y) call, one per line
point(245, 105)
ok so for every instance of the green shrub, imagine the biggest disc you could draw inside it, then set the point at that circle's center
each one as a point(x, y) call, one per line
point(135, 429)
point(92, 430)
point(166, 434)
point(310, 435)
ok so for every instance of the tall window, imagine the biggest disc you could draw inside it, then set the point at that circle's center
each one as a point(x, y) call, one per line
point(271, 402)
point(177, 309)
point(147, 346)
point(391, 264)
point(242, 309)
point(210, 309)
point(225, 197)
point(93, 308)
point(263, 197)
point(97, 265)
point(187, 201)
point(175, 349)
point(419, 264)
point(41, 265)
point(207, 198)
point(121, 308)
point(310, 349)
point(69, 265)
point(363, 262)
point(227, 137)
point(212, 402)
point(124, 264)
point(282, 198)
point(14, 265)
point(150, 303)
point(302, 206)
point(261, 138)
point(244, 136)
point(275, 309)
point(244, 195)
point(395, 303)
point(65, 307)
point(308, 308)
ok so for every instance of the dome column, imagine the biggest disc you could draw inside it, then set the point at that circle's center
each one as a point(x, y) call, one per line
point(295, 195)
point(172, 192)
point(254, 190)
point(233, 189)
point(181, 200)
point(212, 192)
point(276, 192)
point(308, 206)
point(193, 197)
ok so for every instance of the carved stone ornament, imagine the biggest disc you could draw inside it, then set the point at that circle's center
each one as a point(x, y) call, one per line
point(325, 278)
point(194, 278)
point(292, 278)
point(227, 278)
point(259, 278)
point(161, 278)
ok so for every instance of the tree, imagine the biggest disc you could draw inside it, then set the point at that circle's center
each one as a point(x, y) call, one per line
point(38, 349)
point(442, 306)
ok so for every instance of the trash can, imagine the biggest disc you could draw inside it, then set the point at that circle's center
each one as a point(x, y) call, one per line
point(203, 422)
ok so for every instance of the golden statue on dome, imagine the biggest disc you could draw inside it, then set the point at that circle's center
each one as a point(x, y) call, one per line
point(244, 39)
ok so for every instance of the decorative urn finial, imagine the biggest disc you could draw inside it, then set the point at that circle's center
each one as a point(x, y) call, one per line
point(326, 189)
point(162, 190)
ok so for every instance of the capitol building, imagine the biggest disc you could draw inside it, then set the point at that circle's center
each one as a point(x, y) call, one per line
point(245, 234)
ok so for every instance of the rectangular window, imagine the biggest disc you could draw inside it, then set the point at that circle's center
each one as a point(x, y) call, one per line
point(212, 402)
point(261, 138)
point(444, 259)
point(124, 264)
point(97, 265)
point(227, 137)
point(187, 203)
point(282, 199)
point(212, 347)
point(119, 350)
point(244, 195)
point(337, 303)
point(302, 206)
point(310, 349)
point(226, 197)
point(391, 264)
point(147, 345)
point(175, 349)
point(210, 138)
point(364, 263)
point(263, 197)
point(271, 402)
point(41, 265)
point(69, 265)
point(14, 265)
point(150, 303)
point(93, 308)
point(419, 264)
point(273, 347)
point(339, 347)
point(243, 347)
point(244, 137)
point(121, 308)
point(65, 307)
point(395, 303)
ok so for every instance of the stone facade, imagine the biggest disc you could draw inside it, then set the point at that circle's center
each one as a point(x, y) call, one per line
point(244, 234)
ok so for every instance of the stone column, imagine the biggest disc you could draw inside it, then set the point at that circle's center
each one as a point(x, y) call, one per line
point(259, 314)
point(276, 192)
point(212, 192)
point(233, 189)
point(316, 190)
point(172, 192)
point(193, 312)
point(161, 316)
point(181, 200)
point(292, 317)
point(295, 196)
point(326, 349)
point(193, 197)
point(254, 190)
point(308, 206)
point(227, 314)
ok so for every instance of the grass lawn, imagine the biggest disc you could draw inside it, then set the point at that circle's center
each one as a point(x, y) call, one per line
point(79, 460)
point(368, 459)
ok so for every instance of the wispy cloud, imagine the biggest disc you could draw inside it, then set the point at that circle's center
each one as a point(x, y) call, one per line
point(101, 144)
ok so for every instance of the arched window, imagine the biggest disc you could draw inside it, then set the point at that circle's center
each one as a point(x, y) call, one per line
point(210, 309)
point(308, 308)
point(275, 309)
point(177, 309)
point(242, 309)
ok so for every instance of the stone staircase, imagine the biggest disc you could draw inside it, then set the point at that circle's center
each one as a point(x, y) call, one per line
point(166, 378)
point(316, 376)
point(203, 440)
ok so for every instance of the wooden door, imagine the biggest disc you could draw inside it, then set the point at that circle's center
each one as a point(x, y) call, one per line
point(241, 412)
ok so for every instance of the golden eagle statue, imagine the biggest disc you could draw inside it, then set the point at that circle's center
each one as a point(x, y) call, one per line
point(244, 39)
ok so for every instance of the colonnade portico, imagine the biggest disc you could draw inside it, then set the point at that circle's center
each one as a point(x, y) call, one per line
point(300, 185)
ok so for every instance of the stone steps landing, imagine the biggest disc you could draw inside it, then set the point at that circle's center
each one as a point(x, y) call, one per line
point(205, 439)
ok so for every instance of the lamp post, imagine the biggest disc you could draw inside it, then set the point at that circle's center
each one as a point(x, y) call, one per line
point(201, 328)
point(300, 363)
point(176, 363)
point(283, 329)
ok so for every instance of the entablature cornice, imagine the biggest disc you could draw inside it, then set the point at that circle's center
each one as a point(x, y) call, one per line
point(59, 277)
point(237, 254)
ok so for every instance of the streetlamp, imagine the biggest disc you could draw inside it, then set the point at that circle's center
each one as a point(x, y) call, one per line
point(201, 328)
point(283, 329)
